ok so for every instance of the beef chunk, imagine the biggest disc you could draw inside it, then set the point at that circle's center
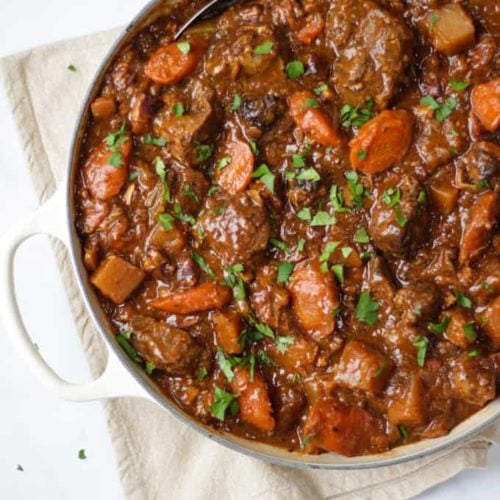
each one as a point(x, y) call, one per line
point(261, 112)
point(288, 405)
point(170, 349)
point(236, 227)
point(482, 162)
point(373, 48)
point(471, 383)
point(418, 301)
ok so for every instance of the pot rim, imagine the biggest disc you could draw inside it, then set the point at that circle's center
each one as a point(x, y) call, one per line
point(267, 453)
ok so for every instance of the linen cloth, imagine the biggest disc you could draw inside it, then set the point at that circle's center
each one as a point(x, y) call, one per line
point(157, 456)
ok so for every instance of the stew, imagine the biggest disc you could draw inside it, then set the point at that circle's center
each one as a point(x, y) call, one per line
point(290, 216)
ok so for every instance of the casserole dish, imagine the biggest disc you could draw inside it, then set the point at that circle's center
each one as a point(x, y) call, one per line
point(111, 383)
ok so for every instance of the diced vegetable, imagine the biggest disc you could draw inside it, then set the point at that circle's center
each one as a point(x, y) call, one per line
point(410, 408)
point(234, 169)
point(172, 62)
point(362, 367)
point(477, 230)
point(347, 430)
point(203, 297)
point(491, 321)
point(485, 102)
point(384, 140)
point(314, 297)
point(460, 330)
point(450, 28)
point(255, 404)
point(227, 331)
point(298, 358)
point(312, 120)
point(444, 195)
point(116, 278)
point(103, 108)
point(312, 30)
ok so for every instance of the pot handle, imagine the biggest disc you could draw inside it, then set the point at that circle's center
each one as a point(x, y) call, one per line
point(115, 381)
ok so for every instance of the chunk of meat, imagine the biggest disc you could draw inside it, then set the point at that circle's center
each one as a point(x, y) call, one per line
point(373, 48)
point(170, 241)
point(227, 325)
point(103, 108)
point(143, 107)
point(409, 408)
point(382, 141)
point(460, 331)
point(261, 111)
point(235, 166)
point(170, 349)
point(491, 320)
point(450, 28)
point(289, 403)
point(362, 367)
point(398, 225)
point(347, 430)
point(482, 162)
point(485, 102)
point(204, 297)
point(103, 179)
point(312, 120)
point(443, 192)
point(299, 357)
point(418, 301)
point(94, 211)
point(268, 298)
point(254, 400)
point(171, 63)
point(236, 227)
point(314, 298)
point(476, 233)
point(116, 278)
point(472, 383)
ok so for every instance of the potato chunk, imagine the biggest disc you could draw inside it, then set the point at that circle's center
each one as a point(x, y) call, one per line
point(409, 408)
point(362, 367)
point(492, 321)
point(451, 29)
point(116, 278)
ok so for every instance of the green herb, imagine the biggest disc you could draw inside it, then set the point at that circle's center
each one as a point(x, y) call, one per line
point(367, 309)
point(353, 116)
point(149, 368)
point(295, 69)
point(284, 271)
point(264, 330)
point(124, 340)
point(403, 431)
point(263, 49)
point(474, 353)
point(115, 160)
point(223, 163)
point(82, 455)
point(338, 271)
point(392, 197)
point(307, 440)
point(224, 365)
point(253, 147)
point(305, 214)
point(311, 102)
point(282, 343)
point(19, 468)
point(203, 265)
point(301, 245)
point(330, 247)
point(264, 359)
point(380, 371)
point(462, 300)
point(365, 255)
point(421, 344)
point(469, 330)
point(162, 173)
point(346, 251)
point(459, 86)
point(309, 174)
point(362, 154)
point(178, 109)
point(337, 199)
point(155, 141)
point(444, 110)
point(265, 176)
point(236, 102)
point(361, 236)
point(133, 176)
point(222, 401)
point(72, 67)
point(454, 152)
point(187, 191)
point(202, 373)
point(357, 189)
point(483, 184)
point(422, 197)
point(441, 326)
point(166, 221)
point(433, 21)
point(321, 89)
point(182, 216)
point(280, 245)
point(295, 379)
point(322, 219)
point(234, 281)
point(204, 152)
point(184, 47)
point(486, 286)
point(298, 160)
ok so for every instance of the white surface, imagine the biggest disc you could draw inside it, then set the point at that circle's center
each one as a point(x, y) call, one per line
point(42, 434)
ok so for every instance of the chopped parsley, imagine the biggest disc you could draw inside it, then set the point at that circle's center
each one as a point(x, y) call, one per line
point(362, 154)
point(367, 309)
point(392, 197)
point(321, 89)
point(202, 373)
point(295, 69)
point(322, 219)
point(124, 340)
point(357, 189)
point(337, 199)
point(236, 102)
point(298, 160)
point(178, 109)
point(353, 116)
point(204, 152)
point(182, 216)
point(403, 431)
point(301, 245)
point(338, 271)
point(162, 173)
point(166, 221)
point(474, 353)
point(184, 47)
point(19, 468)
point(203, 265)
point(263, 49)
point(234, 281)
point(222, 401)
point(187, 191)
point(441, 326)
point(115, 160)
point(253, 147)
point(469, 330)
point(463, 300)
point(482, 184)
point(422, 197)
point(434, 18)
point(380, 371)
point(486, 286)
point(282, 343)
point(82, 455)
point(149, 368)
point(308, 174)
point(224, 365)
point(311, 102)
point(330, 247)
point(284, 271)
point(444, 110)
point(155, 141)
point(305, 214)
point(280, 245)
point(361, 236)
point(265, 176)
point(421, 344)
point(459, 86)
point(346, 251)
point(133, 176)
point(223, 163)
point(72, 67)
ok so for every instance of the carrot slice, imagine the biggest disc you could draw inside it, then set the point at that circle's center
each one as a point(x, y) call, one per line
point(227, 331)
point(312, 120)
point(485, 101)
point(171, 63)
point(311, 30)
point(234, 169)
point(254, 401)
point(382, 141)
point(103, 179)
point(314, 298)
point(203, 297)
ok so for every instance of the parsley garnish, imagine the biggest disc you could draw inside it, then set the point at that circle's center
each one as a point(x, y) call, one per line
point(280, 245)
point(203, 265)
point(204, 152)
point(187, 191)
point(236, 102)
point(124, 340)
point(115, 160)
point(338, 271)
point(308, 174)
point(282, 343)
point(433, 21)
point(162, 173)
point(82, 455)
point(353, 116)
point(463, 300)
point(155, 141)
point(265, 176)
point(235, 282)
point(441, 326)
point(337, 199)
point(284, 271)
point(311, 102)
point(182, 216)
point(224, 365)
point(301, 245)
point(346, 251)
point(263, 49)
point(222, 401)
point(149, 368)
point(330, 247)
point(322, 219)
point(184, 47)
point(72, 67)
point(305, 214)
point(380, 371)
point(422, 197)
point(295, 69)
point(362, 154)
point(469, 330)
point(444, 110)
point(202, 373)
point(392, 197)
point(421, 344)
point(403, 431)
point(178, 109)
point(321, 89)
point(367, 309)
point(253, 147)
point(459, 86)
point(19, 468)
point(298, 160)
point(474, 353)
point(361, 236)
point(166, 221)
point(133, 176)
point(357, 189)
point(223, 163)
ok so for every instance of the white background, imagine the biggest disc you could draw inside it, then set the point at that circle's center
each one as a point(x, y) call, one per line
point(37, 431)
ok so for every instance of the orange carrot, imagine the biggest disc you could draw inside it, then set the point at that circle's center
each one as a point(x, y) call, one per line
point(227, 331)
point(311, 30)
point(234, 168)
point(485, 101)
point(312, 120)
